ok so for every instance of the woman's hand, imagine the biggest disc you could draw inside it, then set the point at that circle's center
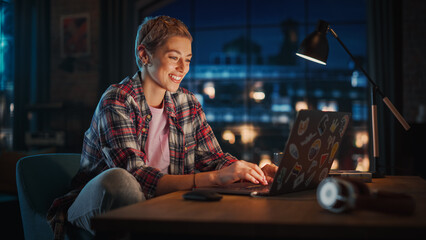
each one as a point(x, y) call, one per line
point(241, 170)
point(270, 170)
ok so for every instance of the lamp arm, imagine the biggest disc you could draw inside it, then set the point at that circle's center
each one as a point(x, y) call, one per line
point(374, 85)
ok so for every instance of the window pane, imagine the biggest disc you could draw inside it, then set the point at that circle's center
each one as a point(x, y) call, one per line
point(271, 40)
point(177, 9)
point(251, 84)
point(275, 11)
point(6, 74)
point(219, 46)
point(220, 13)
point(334, 11)
point(355, 39)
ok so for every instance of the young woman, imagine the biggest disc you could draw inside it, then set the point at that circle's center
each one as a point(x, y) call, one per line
point(149, 136)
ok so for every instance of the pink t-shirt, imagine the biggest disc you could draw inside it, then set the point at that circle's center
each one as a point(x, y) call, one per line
point(157, 144)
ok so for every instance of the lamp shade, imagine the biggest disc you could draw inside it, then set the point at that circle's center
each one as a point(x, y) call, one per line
point(315, 46)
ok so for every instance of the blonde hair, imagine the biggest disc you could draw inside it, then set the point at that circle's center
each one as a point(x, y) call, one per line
point(154, 31)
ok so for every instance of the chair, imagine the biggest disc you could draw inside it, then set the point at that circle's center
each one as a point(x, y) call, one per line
point(40, 179)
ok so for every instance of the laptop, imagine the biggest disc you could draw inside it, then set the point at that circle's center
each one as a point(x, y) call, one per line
point(308, 155)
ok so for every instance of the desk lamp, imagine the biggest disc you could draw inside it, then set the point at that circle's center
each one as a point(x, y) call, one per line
point(315, 48)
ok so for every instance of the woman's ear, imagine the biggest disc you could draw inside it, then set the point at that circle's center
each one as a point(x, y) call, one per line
point(143, 54)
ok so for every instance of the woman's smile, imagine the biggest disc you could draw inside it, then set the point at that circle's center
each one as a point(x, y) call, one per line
point(175, 78)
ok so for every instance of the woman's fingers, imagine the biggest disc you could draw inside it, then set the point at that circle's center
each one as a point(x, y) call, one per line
point(242, 170)
point(254, 174)
point(270, 170)
point(255, 177)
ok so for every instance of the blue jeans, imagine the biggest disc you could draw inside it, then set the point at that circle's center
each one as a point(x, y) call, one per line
point(111, 189)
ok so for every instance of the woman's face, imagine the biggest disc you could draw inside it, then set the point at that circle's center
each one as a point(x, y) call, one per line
point(170, 63)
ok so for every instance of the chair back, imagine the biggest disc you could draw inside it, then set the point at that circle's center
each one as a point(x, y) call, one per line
point(40, 179)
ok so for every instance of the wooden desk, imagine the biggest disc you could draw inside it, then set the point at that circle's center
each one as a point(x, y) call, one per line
point(288, 216)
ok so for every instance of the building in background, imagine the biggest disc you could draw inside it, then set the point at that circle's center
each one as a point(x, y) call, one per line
point(246, 75)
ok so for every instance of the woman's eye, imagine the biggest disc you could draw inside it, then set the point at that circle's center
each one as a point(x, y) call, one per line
point(174, 58)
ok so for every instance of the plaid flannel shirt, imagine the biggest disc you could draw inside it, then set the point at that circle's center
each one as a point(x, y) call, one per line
point(117, 137)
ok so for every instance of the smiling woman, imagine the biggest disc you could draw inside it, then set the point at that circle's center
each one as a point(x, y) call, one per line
point(166, 69)
point(149, 136)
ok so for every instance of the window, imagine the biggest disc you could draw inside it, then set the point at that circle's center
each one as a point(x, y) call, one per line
point(251, 84)
point(6, 73)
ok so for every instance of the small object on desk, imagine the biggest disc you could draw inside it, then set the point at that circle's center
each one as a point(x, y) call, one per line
point(202, 195)
point(338, 195)
point(362, 176)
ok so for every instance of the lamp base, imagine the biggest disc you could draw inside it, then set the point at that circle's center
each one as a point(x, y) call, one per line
point(379, 170)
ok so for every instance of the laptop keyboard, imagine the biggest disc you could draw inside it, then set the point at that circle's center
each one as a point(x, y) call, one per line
point(246, 186)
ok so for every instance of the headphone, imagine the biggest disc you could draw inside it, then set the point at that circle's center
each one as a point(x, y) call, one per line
point(338, 194)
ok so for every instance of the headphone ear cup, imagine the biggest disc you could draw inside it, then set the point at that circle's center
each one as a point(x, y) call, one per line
point(336, 195)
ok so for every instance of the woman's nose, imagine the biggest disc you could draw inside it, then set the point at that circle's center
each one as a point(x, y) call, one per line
point(180, 65)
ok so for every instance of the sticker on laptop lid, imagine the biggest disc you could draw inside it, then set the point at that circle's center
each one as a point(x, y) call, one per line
point(323, 174)
point(280, 177)
point(314, 149)
point(308, 181)
point(334, 125)
point(308, 138)
point(295, 171)
point(313, 164)
point(298, 180)
point(330, 141)
point(303, 125)
point(294, 152)
point(343, 125)
point(322, 125)
point(323, 159)
point(333, 151)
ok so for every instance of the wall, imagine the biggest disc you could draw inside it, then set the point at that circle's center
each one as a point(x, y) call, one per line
point(412, 161)
point(74, 80)
point(414, 60)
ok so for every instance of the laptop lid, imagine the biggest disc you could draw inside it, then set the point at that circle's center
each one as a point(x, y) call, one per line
point(311, 147)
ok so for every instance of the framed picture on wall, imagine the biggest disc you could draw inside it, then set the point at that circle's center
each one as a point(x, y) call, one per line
point(75, 35)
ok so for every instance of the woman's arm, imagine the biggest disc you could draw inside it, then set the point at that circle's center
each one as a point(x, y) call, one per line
point(240, 170)
point(208, 153)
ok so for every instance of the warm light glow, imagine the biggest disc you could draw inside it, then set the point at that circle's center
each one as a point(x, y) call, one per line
point(229, 136)
point(330, 106)
point(257, 93)
point(209, 89)
point(361, 139)
point(301, 105)
point(311, 59)
point(335, 164)
point(258, 96)
point(363, 164)
point(264, 160)
point(248, 134)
